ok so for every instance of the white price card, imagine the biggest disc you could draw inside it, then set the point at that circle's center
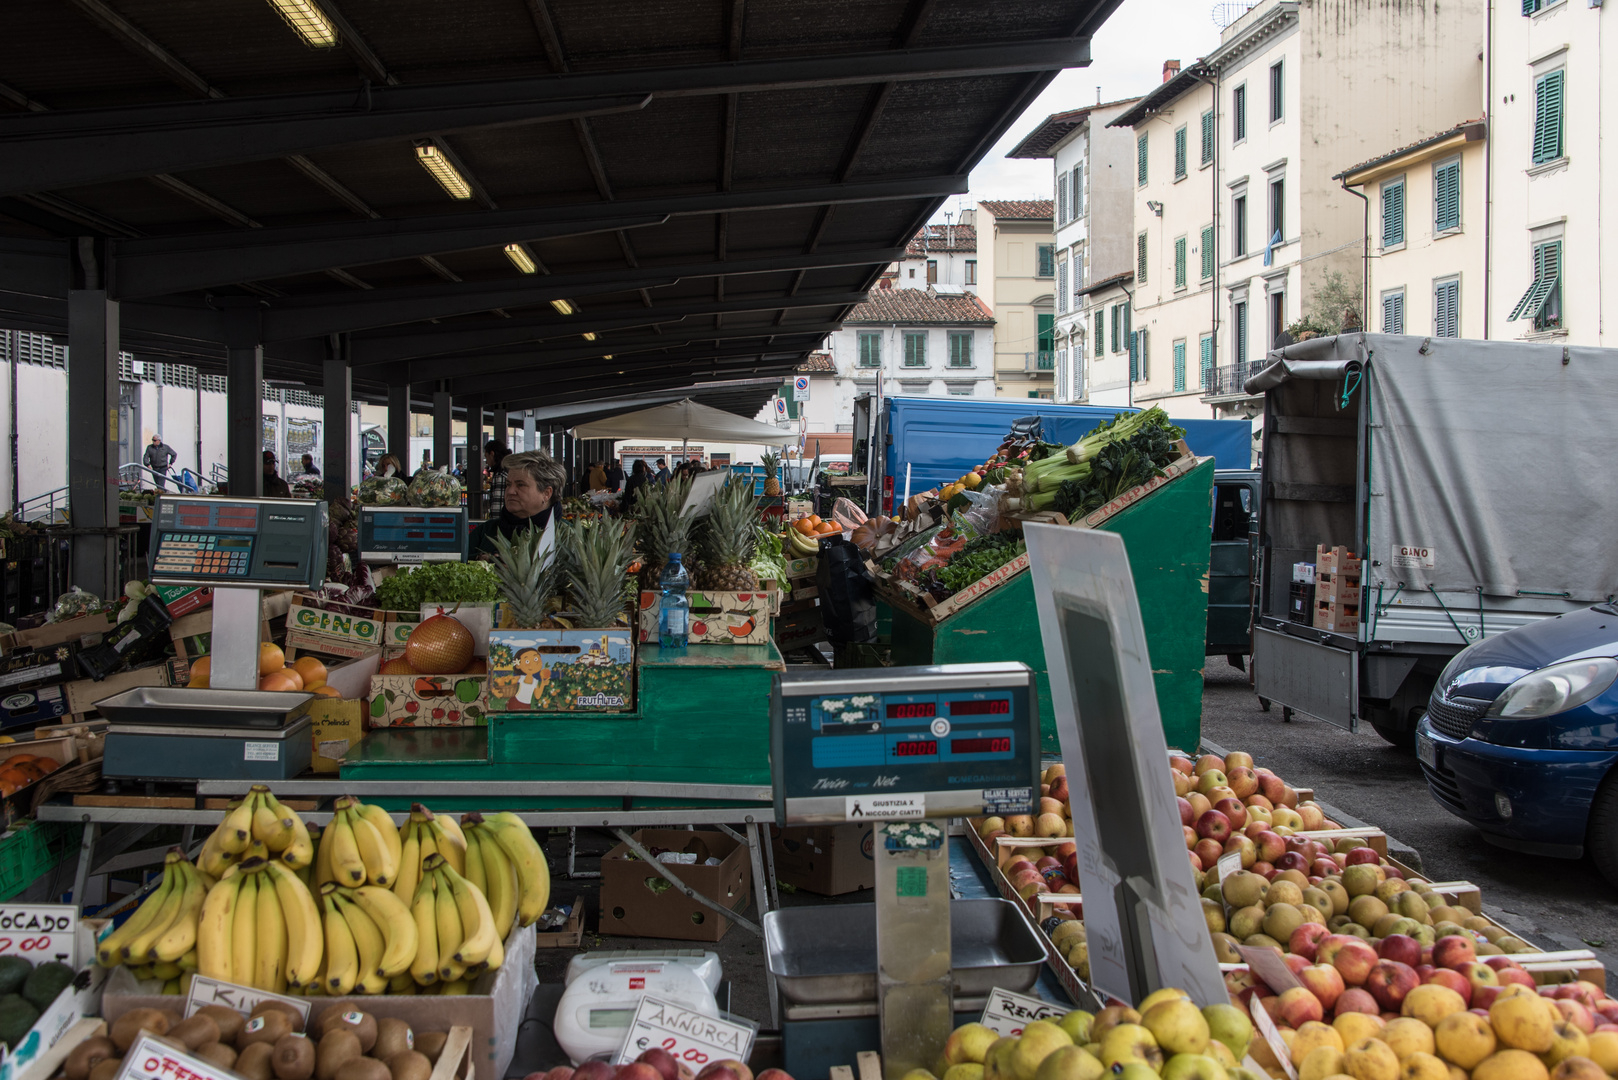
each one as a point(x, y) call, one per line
point(884, 807)
point(693, 1038)
point(1228, 864)
point(243, 999)
point(152, 1058)
point(1272, 1036)
point(1268, 967)
point(1006, 1013)
point(40, 932)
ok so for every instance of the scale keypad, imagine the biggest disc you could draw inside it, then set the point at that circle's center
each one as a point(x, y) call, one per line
point(204, 554)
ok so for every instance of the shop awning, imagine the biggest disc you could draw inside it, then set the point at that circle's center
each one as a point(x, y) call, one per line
point(686, 420)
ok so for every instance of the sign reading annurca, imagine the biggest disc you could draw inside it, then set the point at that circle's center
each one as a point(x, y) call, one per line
point(552, 671)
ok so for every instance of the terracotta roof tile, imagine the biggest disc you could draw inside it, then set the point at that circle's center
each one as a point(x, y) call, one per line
point(817, 363)
point(1027, 209)
point(1475, 131)
point(935, 238)
point(920, 306)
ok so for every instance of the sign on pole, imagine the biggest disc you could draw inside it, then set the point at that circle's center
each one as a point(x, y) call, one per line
point(800, 388)
point(780, 408)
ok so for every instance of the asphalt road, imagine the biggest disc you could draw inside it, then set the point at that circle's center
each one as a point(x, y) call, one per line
point(1553, 903)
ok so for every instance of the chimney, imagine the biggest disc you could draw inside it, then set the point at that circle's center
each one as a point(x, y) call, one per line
point(969, 217)
point(1171, 68)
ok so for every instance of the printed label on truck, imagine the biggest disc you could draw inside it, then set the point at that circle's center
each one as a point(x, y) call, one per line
point(1412, 556)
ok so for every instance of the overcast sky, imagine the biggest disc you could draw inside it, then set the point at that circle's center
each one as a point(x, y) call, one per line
point(1127, 57)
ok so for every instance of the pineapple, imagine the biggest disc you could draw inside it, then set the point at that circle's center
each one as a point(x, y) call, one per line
point(598, 561)
point(664, 526)
point(526, 580)
point(772, 484)
point(729, 539)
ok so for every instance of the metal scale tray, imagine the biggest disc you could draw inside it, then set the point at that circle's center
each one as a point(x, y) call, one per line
point(826, 955)
point(183, 707)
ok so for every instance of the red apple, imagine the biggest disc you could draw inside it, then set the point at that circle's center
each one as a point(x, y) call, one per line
point(1427, 955)
point(1322, 868)
point(1233, 810)
point(1059, 790)
point(1190, 837)
point(1362, 855)
point(1454, 951)
point(1424, 973)
point(1327, 949)
point(1209, 850)
point(1479, 1012)
point(594, 1070)
point(1389, 982)
point(1500, 962)
point(781, 1074)
point(1265, 870)
point(663, 1061)
point(1213, 825)
point(1196, 863)
point(1483, 996)
point(1402, 948)
point(1452, 979)
point(561, 1072)
point(1270, 845)
point(1187, 816)
point(1294, 963)
point(1299, 1006)
point(1607, 1027)
point(1244, 845)
point(1305, 942)
point(1354, 961)
point(1048, 862)
point(1291, 860)
point(1356, 1000)
point(1576, 1014)
point(1608, 1009)
point(1516, 975)
point(716, 1071)
point(1323, 981)
point(1271, 787)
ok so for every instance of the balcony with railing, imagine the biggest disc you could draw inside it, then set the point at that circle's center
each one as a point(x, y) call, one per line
point(1229, 381)
point(1043, 362)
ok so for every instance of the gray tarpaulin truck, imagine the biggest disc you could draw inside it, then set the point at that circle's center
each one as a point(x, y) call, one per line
point(1475, 480)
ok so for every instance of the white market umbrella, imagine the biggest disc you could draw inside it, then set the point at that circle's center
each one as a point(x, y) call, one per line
point(685, 420)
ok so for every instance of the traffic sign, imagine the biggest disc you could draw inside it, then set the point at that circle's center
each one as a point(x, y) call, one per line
point(800, 388)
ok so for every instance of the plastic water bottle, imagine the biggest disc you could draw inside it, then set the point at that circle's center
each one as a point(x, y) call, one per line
point(673, 610)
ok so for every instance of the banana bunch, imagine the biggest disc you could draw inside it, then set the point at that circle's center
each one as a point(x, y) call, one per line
point(259, 817)
point(159, 940)
point(456, 935)
point(502, 850)
point(359, 846)
point(801, 546)
point(371, 941)
point(427, 834)
point(259, 927)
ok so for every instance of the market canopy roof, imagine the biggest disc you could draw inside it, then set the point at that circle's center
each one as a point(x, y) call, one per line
point(708, 187)
point(686, 420)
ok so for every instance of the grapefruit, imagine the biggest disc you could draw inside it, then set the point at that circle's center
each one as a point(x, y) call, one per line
point(311, 670)
point(201, 668)
point(293, 674)
point(397, 666)
point(270, 658)
point(439, 645)
point(278, 681)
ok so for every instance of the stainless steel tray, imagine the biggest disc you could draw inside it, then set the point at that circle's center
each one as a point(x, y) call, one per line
point(826, 954)
point(182, 707)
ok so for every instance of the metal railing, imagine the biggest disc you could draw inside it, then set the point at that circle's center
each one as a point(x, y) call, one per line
point(50, 507)
point(1039, 361)
point(136, 475)
point(1230, 380)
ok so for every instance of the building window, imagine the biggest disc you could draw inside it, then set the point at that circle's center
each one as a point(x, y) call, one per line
point(916, 350)
point(1205, 359)
point(1061, 285)
point(1101, 332)
point(1207, 137)
point(1140, 159)
point(912, 272)
point(1278, 204)
point(1278, 316)
point(971, 271)
point(1277, 83)
point(1061, 199)
point(1548, 116)
point(1393, 312)
point(1238, 226)
point(932, 271)
point(1076, 261)
point(1077, 201)
point(1046, 342)
point(958, 391)
point(1447, 196)
point(1137, 354)
point(1238, 331)
point(1179, 365)
point(1046, 257)
point(1543, 300)
point(1179, 152)
point(1179, 262)
point(1532, 7)
point(1140, 258)
point(870, 349)
point(1207, 252)
point(1447, 308)
point(1393, 213)
point(1117, 328)
point(960, 349)
point(1238, 113)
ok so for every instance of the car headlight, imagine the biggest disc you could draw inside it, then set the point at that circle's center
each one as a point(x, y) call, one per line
point(1555, 689)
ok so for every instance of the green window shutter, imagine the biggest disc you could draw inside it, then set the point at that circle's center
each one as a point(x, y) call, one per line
point(870, 350)
point(1129, 330)
point(1206, 360)
point(1447, 309)
point(1238, 334)
point(915, 350)
point(1047, 332)
point(1047, 260)
point(1101, 333)
point(1140, 160)
point(1117, 327)
point(960, 349)
point(1207, 137)
point(1061, 199)
point(1140, 258)
point(1393, 214)
point(1207, 252)
point(1530, 6)
point(1179, 365)
point(1134, 361)
point(1447, 196)
point(1179, 152)
point(1547, 266)
point(1393, 313)
point(1179, 262)
point(1238, 114)
point(1548, 117)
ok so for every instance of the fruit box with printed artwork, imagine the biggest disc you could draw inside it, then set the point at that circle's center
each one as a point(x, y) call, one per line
point(555, 671)
point(428, 701)
point(717, 618)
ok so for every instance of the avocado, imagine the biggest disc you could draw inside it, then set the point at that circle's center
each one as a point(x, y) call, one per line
point(17, 1016)
point(45, 982)
point(13, 970)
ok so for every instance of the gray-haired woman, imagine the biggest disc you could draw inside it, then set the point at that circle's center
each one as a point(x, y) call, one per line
point(534, 483)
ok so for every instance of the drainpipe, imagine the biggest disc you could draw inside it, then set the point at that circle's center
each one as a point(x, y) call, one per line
point(1488, 163)
point(11, 354)
point(1129, 377)
point(1365, 259)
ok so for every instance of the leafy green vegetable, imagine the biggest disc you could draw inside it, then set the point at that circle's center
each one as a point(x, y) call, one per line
point(981, 556)
point(439, 583)
point(769, 560)
point(1119, 465)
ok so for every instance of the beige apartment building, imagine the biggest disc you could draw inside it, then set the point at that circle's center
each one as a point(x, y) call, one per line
point(1017, 276)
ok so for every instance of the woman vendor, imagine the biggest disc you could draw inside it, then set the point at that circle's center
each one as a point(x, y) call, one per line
point(534, 482)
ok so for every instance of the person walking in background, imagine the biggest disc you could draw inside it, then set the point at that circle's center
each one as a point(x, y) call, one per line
point(274, 486)
point(615, 475)
point(496, 452)
point(596, 478)
point(159, 457)
point(309, 466)
point(639, 477)
point(662, 475)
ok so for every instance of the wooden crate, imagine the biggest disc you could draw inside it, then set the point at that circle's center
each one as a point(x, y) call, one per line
point(571, 936)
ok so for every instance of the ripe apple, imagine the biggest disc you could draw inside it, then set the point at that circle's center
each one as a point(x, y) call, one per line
point(1355, 1000)
point(594, 1070)
point(1322, 868)
point(1182, 764)
point(1401, 947)
point(1059, 789)
point(1325, 982)
point(1299, 1005)
point(1514, 976)
point(1271, 846)
point(1291, 860)
point(1362, 855)
point(1196, 863)
point(1355, 960)
point(1452, 979)
point(1242, 780)
point(1209, 850)
point(1305, 942)
point(1389, 982)
point(1454, 951)
point(1233, 810)
point(1186, 814)
point(1190, 835)
point(1576, 1014)
point(1327, 950)
point(1258, 802)
point(1199, 803)
point(1264, 869)
point(1500, 962)
point(663, 1061)
point(1213, 825)
point(1294, 964)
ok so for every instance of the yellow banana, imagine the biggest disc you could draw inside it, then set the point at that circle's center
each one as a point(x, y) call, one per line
point(236, 831)
point(501, 878)
point(165, 971)
point(342, 955)
point(265, 823)
point(299, 851)
point(398, 928)
point(456, 988)
point(428, 842)
point(181, 935)
point(424, 913)
point(404, 887)
point(452, 850)
point(496, 957)
point(302, 918)
point(322, 871)
point(188, 962)
point(244, 933)
point(450, 930)
point(213, 859)
point(138, 947)
point(280, 835)
point(402, 984)
point(346, 865)
point(477, 922)
point(474, 864)
point(214, 929)
point(451, 826)
point(380, 866)
point(270, 960)
point(109, 952)
point(368, 945)
point(383, 824)
point(533, 872)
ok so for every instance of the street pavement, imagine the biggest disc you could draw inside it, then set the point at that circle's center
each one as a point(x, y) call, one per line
point(1552, 903)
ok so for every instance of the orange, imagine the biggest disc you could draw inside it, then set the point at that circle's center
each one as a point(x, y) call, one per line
point(201, 669)
point(278, 681)
point(328, 691)
point(197, 684)
point(28, 769)
point(803, 526)
point(292, 673)
point(814, 519)
point(311, 670)
point(48, 766)
point(270, 658)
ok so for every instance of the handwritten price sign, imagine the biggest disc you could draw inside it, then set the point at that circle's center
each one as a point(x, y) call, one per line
point(1006, 1014)
point(693, 1038)
point(40, 932)
point(244, 999)
point(152, 1059)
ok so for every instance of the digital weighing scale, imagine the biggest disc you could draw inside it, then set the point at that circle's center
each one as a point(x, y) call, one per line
point(412, 534)
point(604, 989)
point(902, 748)
point(232, 730)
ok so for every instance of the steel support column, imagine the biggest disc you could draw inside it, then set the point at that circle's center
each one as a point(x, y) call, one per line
point(502, 428)
point(92, 408)
point(337, 438)
point(399, 424)
point(244, 405)
point(443, 432)
point(529, 435)
point(474, 457)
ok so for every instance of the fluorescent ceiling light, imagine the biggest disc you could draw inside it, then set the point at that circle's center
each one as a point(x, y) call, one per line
point(519, 258)
point(562, 307)
point(308, 20)
point(442, 171)
point(589, 335)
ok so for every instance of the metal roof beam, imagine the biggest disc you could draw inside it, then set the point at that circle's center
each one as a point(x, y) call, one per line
point(550, 409)
point(618, 375)
point(60, 149)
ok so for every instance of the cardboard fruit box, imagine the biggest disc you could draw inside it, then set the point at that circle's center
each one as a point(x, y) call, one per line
point(552, 671)
point(637, 901)
point(717, 618)
point(334, 628)
point(428, 701)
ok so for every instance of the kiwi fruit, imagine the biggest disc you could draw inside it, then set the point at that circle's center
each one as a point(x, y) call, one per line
point(127, 1028)
point(198, 1031)
point(106, 1070)
point(217, 1053)
point(409, 1065)
point(229, 1021)
point(293, 1057)
point(393, 1036)
point(292, 1014)
point(363, 1068)
point(431, 1043)
point(362, 1024)
point(267, 1027)
point(254, 1061)
point(86, 1056)
point(337, 1048)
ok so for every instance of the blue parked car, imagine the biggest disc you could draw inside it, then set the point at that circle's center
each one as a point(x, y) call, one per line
point(1521, 737)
